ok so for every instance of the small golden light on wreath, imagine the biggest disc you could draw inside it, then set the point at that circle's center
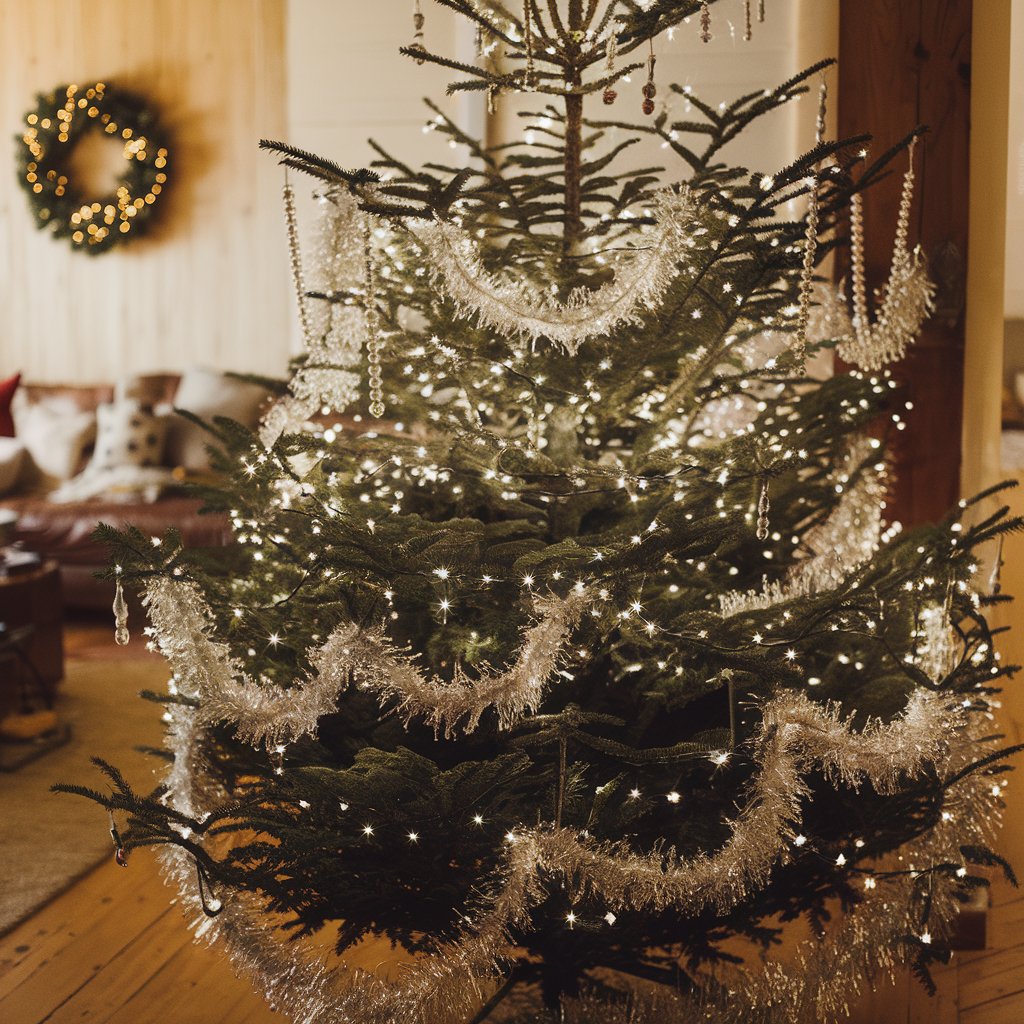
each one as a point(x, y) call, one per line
point(46, 168)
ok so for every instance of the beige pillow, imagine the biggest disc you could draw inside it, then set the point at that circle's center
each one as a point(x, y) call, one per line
point(56, 435)
point(127, 435)
point(208, 393)
point(12, 455)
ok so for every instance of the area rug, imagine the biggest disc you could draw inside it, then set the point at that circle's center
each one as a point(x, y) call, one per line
point(49, 840)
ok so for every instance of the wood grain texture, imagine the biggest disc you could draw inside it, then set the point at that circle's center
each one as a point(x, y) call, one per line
point(113, 949)
point(905, 63)
point(210, 284)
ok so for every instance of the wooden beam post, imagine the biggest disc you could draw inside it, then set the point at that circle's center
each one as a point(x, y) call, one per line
point(903, 63)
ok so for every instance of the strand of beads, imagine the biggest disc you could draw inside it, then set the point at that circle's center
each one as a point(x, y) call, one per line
point(531, 70)
point(650, 89)
point(810, 236)
point(611, 50)
point(295, 259)
point(763, 506)
point(374, 342)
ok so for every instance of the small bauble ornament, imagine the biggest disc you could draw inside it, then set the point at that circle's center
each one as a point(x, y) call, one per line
point(650, 90)
point(648, 107)
point(609, 96)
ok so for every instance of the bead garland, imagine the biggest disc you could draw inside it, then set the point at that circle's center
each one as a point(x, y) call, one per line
point(295, 260)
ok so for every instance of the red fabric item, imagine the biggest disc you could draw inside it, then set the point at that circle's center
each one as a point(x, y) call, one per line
point(7, 389)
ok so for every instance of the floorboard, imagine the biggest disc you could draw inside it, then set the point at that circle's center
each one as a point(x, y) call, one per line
point(113, 950)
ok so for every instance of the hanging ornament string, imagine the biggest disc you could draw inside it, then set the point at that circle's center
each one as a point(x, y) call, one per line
point(905, 300)
point(810, 235)
point(335, 328)
point(516, 309)
point(842, 543)
point(531, 70)
point(374, 338)
point(417, 26)
point(611, 51)
point(763, 506)
point(748, 28)
point(650, 90)
point(295, 259)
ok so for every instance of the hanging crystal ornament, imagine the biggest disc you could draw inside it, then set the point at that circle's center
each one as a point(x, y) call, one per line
point(531, 70)
point(417, 24)
point(995, 585)
point(846, 540)
point(120, 856)
point(904, 301)
point(650, 89)
point(374, 341)
point(705, 21)
point(763, 507)
point(611, 50)
point(121, 634)
point(810, 235)
point(492, 93)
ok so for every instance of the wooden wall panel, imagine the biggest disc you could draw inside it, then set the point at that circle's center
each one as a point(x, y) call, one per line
point(904, 63)
point(210, 285)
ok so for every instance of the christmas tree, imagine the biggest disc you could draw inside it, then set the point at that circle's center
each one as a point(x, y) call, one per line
point(564, 644)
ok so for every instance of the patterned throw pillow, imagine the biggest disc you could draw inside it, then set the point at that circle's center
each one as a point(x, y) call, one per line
point(7, 389)
point(127, 435)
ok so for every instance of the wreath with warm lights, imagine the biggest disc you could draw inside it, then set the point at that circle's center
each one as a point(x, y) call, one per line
point(61, 118)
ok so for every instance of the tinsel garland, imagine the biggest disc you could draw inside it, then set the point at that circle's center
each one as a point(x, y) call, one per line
point(517, 309)
point(794, 737)
point(273, 715)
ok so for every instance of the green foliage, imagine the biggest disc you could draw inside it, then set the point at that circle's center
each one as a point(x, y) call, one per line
point(509, 472)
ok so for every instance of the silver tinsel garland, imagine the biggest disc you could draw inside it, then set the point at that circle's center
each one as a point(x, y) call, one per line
point(795, 736)
point(517, 309)
point(263, 713)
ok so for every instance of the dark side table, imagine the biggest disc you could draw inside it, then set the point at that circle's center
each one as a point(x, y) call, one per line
point(31, 609)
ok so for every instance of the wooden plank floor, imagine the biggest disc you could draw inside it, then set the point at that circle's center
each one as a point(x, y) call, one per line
point(981, 987)
point(113, 949)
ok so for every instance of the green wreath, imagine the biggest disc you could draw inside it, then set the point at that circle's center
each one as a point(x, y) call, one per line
point(94, 224)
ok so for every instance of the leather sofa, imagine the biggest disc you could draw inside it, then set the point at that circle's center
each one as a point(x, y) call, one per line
point(63, 532)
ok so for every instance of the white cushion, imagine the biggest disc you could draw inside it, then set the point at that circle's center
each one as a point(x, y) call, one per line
point(56, 436)
point(127, 435)
point(12, 455)
point(208, 393)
